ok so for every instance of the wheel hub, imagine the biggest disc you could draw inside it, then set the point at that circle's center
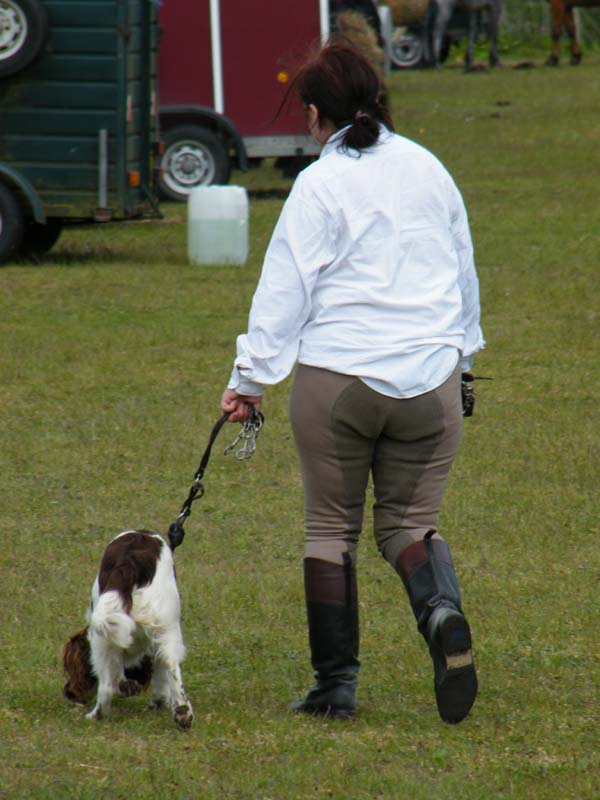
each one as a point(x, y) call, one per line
point(187, 165)
point(407, 49)
point(13, 29)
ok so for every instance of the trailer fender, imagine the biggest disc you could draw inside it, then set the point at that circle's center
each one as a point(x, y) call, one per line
point(29, 198)
point(204, 115)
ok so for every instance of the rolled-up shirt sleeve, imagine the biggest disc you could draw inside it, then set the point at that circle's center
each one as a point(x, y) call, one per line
point(301, 245)
point(467, 281)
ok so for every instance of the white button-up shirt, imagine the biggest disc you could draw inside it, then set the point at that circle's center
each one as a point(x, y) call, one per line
point(369, 272)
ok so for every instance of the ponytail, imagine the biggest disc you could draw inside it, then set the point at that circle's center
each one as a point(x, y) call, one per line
point(362, 133)
point(346, 91)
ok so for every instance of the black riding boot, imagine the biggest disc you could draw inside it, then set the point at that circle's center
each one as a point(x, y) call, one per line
point(428, 574)
point(332, 611)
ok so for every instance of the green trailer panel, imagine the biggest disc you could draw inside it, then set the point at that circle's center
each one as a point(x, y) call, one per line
point(80, 120)
point(95, 67)
point(66, 150)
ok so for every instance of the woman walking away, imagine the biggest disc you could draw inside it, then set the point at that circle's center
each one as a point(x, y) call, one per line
point(369, 284)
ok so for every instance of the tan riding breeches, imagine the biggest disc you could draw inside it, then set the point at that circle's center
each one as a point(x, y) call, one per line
point(345, 431)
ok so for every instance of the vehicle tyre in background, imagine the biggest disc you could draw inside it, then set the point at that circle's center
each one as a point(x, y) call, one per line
point(12, 224)
point(406, 51)
point(39, 239)
point(193, 156)
point(23, 29)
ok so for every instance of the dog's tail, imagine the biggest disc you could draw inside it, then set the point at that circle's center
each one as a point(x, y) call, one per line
point(110, 620)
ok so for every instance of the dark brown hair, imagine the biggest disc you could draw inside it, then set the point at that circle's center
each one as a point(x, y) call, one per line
point(77, 666)
point(128, 562)
point(345, 89)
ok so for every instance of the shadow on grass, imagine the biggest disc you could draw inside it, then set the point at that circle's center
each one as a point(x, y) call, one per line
point(269, 194)
point(143, 241)
point(96, 256)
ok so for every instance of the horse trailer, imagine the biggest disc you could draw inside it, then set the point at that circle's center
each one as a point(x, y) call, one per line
point(78, 121)
point(224, 68)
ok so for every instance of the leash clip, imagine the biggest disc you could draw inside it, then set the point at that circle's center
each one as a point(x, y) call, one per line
point(248, 435)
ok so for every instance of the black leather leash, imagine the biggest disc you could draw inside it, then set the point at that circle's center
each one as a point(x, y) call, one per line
point(250, 430)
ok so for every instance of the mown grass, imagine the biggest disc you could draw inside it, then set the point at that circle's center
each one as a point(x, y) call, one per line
point(114, 354)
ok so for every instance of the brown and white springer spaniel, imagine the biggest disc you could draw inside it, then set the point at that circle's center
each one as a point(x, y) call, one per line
point(133, 637)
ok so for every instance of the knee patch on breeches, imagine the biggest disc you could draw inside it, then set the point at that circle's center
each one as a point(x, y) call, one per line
point(333, 549)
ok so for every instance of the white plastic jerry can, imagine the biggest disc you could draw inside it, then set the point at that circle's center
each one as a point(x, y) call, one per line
point(218, 225)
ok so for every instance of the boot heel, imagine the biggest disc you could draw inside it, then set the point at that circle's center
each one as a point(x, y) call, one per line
point(459, 660)
point(455, 640)
point(455, 676)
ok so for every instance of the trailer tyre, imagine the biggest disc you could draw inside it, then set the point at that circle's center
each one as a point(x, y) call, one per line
point(23, 30)
point(12, 224)
point(406, 49)
point(39, 239)
point(193, 156)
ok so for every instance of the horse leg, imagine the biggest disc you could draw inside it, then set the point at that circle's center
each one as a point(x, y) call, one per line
point(442, 17)
point(493, 27)
point(557, 11)
point(427, 58)
point(470, 39)
point(573, 35)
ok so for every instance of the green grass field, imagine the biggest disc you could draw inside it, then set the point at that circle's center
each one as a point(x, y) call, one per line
point(114, 353)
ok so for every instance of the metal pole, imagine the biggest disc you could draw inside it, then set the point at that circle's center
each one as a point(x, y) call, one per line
point(102, 168)
point(324, 13)
point(217, 58)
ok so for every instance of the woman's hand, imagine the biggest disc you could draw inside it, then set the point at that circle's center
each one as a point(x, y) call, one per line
point(237, 404)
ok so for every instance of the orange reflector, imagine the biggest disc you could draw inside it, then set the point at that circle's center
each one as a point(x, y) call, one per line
point(283, 77)
point(134, 179)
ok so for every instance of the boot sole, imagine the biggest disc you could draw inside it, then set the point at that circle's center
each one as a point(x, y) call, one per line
point(456, 690)
point(326, 712)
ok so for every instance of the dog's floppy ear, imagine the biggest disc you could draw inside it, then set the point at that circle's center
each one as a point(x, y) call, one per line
point(81, 681)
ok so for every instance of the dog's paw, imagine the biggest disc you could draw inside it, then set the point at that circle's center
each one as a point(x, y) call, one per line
point(183, 716)
point(96, 714)
point(129, 688)
point(157, 703)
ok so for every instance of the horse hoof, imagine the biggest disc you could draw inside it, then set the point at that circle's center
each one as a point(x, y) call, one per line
point(575, 59)
point(552, 61)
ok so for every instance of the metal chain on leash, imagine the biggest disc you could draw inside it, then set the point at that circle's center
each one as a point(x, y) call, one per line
point(251, 427)
point(248, 436)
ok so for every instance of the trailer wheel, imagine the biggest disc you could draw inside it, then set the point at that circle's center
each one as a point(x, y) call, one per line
point(23, 28)
point(406, 50)
point(12, 224)
point(193, 156)
point(39, 239)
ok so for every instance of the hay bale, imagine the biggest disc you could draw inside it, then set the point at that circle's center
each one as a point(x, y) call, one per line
point(352, 28)
point(406, 12)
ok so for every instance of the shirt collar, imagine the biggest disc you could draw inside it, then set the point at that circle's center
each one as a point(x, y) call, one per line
point(336, 138)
